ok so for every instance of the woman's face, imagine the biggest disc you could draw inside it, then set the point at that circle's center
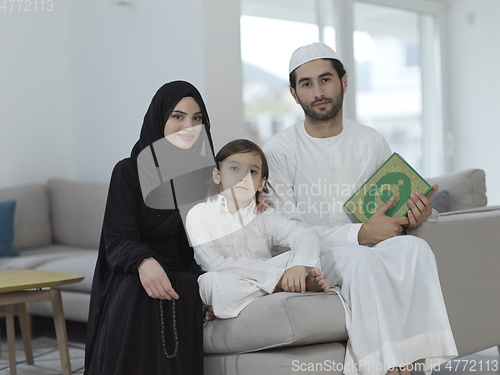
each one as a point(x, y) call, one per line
point(184, 124)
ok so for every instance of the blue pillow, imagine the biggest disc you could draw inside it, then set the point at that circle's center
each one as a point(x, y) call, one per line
point(7, 229)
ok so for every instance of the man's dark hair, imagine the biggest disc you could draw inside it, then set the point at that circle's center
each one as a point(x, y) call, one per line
point(337, 65)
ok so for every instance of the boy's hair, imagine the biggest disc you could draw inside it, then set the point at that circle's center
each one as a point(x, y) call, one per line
point(337, 65)
point(243, 146)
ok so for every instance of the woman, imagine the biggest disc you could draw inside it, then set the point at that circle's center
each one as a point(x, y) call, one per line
point(146, 316)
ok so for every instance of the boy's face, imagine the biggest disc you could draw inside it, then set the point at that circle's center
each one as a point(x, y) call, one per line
point(243, 173)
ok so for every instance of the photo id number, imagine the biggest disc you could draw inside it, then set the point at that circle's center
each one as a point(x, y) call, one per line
point(27, 5)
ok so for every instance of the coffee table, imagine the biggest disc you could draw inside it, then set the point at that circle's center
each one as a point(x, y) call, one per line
point(20, 286)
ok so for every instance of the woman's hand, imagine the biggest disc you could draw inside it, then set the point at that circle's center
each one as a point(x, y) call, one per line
point(262, 203)
point(294, 280)
point(155, 281)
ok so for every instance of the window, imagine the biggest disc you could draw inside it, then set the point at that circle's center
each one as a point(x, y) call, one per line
point(388, 43)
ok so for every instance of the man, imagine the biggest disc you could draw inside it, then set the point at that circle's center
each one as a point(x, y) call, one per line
point(315, 166)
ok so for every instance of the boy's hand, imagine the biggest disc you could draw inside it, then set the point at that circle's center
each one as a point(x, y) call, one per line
point(294, 280)
point(262, 203)
point(209, 314)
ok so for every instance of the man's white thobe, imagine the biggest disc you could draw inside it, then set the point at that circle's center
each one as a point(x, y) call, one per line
point(395, 312)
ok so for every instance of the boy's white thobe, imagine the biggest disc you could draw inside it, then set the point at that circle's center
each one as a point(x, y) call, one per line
point(236, 252)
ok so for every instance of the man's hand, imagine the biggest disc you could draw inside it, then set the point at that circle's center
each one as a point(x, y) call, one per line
point(155, 281)
point(294, 280)
point(380, 226)
point(420, 208)
point(262, 203)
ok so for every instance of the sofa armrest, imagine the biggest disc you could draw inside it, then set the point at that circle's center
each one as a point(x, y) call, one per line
point(467, 249)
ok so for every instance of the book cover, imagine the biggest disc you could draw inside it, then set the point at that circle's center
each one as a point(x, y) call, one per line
point(394, 178)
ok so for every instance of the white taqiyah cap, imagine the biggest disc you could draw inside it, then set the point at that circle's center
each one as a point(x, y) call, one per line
point(309, 53)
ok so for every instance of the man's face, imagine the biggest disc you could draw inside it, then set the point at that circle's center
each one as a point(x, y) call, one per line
point(319, 91)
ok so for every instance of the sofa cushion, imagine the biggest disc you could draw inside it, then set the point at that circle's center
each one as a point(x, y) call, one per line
point(7, 210)
point(31, 219)
point(467, 188)
point(322, 359)
point(81, 265)
point(37, 257)
point(277, 320)
point(77, 211)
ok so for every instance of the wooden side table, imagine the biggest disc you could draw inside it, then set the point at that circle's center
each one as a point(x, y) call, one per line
point(20, 286)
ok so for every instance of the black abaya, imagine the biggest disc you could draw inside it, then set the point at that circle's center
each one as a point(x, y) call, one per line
point(124, 332)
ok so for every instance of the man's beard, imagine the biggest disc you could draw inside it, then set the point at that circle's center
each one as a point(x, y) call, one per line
point(323, 115)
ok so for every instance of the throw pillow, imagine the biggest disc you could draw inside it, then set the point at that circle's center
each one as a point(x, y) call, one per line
point(441, 201)
point(7, 229)
point(467, 188)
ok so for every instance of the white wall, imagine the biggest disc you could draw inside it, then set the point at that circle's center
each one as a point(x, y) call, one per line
point(35, 136)
point(76, 82)
point(223, 76)
point(120, 56)
point(474, 81)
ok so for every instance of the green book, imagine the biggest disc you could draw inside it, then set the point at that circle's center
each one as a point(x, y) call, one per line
point(394, 178)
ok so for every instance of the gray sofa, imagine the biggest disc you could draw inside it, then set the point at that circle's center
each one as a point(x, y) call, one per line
point(57, 227)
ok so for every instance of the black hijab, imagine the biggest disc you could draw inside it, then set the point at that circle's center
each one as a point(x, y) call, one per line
point(171, 177)
point(162, 105)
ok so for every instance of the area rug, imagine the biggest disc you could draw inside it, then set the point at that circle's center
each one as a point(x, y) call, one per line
point(46, 355)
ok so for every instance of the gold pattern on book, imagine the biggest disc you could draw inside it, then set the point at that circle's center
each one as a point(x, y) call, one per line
point(391, 188)
point(373, 195)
